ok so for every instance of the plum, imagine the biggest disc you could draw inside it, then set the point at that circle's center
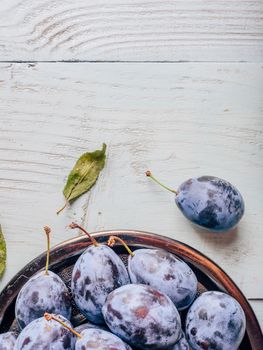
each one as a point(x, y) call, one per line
point(45, 291)
point(7, 340)
point(215, 321)
point(92, 338)
point(163, 271)
point(209, 202)
point(42, 292)
point(97, 272)
point(99, 339)
point(42, 334)
point(142, 316)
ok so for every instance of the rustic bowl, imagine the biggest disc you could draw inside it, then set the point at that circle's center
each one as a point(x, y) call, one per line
point(63, 256)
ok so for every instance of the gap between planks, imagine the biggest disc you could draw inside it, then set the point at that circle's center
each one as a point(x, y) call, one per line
point(120, 61)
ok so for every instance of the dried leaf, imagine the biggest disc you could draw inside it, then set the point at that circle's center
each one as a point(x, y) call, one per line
point(84, 174)
point(2, 252)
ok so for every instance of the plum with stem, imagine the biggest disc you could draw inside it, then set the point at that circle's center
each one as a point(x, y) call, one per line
point(97, 272)
point(44, 334)
point(93, 338)
point(209, 202)
point(45, 291)
point(163, 271)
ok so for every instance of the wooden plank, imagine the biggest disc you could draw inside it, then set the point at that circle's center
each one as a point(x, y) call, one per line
point(180, 120)
point(257, 306)
point(196, 30)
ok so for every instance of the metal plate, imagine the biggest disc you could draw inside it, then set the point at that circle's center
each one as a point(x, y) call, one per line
point(64, 255)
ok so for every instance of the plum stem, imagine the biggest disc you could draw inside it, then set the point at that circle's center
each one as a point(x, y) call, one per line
point(112, 240)
point(47, 231)
point(149, 174)
point(50, 317)
point(93, 240)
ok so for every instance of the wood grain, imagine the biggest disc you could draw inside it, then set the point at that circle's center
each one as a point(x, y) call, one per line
point(257, 306)
point(179, 120)
point(196, 30)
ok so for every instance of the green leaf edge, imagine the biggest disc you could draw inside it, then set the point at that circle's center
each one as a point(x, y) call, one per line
point(2, 253)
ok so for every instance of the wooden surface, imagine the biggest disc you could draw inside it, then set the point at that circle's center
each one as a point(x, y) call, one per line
point(178, 30)
point(179, 119)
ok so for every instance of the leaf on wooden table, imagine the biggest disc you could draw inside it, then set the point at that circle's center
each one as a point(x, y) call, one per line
point(84, 174)
point(2, 253)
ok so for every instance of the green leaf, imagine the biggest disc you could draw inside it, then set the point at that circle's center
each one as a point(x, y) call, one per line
point(2, 252)
point(84, 174)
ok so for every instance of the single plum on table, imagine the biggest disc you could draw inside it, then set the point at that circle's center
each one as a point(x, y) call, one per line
point(45, 291)
point(209, 202)
point(215, 321)
point(7, 340)
point(97, 272)
point(43, 334)
point(163, 271)
point(142, 316)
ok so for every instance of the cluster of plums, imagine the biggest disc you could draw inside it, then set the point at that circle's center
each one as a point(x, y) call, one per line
point(134, 308)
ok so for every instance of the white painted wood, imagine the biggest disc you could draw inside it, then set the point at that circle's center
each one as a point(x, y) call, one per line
point(133, 30)
point(257, 305)
point(179, 120)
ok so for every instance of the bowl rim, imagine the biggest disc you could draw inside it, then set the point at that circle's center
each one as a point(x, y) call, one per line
point(137, 238)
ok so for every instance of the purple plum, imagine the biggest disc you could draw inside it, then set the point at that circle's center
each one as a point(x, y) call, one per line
point(41, 334)
point(215, 321)
point(165, 272)
point(97, 272)
point(209, 202)
point(42, 292)
point(142, 316)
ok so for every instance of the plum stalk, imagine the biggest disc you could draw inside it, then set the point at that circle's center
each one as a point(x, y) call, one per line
point(50, 317)
point(112, 240)
point(149, 174)
point(47, 231)
point(93, 240)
